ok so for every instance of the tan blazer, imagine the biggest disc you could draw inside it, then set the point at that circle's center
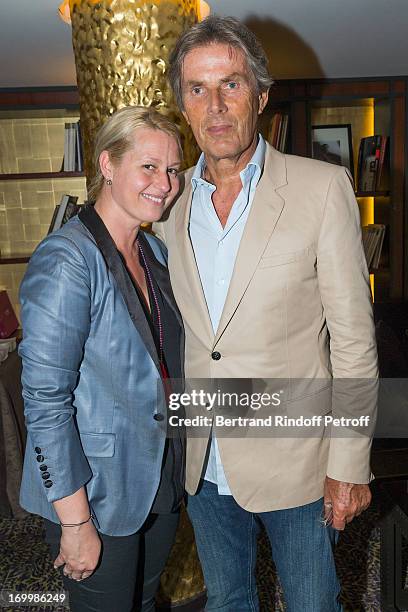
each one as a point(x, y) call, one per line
point(298, 307)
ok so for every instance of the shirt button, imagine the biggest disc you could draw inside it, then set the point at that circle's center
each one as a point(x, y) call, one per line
point(43, 467)
point(38, 450)
point(221, 281)
point(48, 484)
point(40, 458)
point(158, 417)
point(216, 356)
point(45, 475)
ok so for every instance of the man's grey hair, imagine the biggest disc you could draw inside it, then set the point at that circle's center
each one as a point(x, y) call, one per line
point(224, 30)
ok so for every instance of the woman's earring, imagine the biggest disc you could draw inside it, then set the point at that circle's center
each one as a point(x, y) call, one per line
point(109, 181)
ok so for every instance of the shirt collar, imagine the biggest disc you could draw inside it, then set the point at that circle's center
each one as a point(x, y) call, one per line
point(254, 167)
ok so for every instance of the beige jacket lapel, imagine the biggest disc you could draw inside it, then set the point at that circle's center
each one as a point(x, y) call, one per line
point(264, 214)
point(198, 317)
point(265, 211)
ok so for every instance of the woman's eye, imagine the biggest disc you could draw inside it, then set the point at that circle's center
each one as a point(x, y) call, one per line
point(148, 166)
point(173, 171)
point(196, 90)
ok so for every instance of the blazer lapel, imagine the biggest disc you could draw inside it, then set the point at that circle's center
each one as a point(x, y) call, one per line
point(198, 317)
point(161, 276)
point(106, 245)
point(265, 211)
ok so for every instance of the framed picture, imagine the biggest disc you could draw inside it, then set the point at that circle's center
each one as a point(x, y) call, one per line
point(333, 144)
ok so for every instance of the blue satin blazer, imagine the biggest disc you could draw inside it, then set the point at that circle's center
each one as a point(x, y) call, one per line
point(94, 401)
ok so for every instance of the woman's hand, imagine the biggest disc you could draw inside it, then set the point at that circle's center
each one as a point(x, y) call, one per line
point(80, 549)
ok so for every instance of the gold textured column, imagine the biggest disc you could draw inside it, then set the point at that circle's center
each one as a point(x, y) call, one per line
point(182, 580)
point(121, 52)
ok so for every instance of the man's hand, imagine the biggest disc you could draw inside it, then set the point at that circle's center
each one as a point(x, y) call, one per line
point(345, 501)
point(80, 548)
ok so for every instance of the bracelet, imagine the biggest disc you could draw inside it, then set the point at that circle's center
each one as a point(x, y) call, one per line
point(77, 524)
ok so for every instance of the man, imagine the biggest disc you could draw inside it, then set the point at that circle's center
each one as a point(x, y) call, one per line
point(266, 261)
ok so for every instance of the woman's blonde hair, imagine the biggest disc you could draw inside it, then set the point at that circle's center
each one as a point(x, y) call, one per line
point(115, 137)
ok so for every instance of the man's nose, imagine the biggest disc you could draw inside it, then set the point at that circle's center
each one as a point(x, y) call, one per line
point(216, 102)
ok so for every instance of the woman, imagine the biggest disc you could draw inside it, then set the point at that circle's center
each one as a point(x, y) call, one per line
point(102, 335)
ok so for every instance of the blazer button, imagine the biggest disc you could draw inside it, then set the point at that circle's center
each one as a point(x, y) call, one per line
point(158, 417)
point(37, 450)
point(48, 484)
point(216, 356)
point(45, 475)
point(40, 458)
point(43, 467)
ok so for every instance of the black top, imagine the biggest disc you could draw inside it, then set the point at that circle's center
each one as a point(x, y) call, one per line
point(171, 489)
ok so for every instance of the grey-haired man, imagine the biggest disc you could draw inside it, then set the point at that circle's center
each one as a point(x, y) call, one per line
point(266, 261)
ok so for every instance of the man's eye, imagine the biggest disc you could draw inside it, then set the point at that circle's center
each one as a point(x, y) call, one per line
point(232, 85)
point(196, 90)
point(148, 166)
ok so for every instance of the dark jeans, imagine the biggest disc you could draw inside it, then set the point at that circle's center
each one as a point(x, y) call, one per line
point(128, 575)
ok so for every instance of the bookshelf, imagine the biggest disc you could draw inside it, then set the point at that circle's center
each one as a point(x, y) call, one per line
point(370, 106)
point(31, 182)
point(39, 175)
point(28, 194)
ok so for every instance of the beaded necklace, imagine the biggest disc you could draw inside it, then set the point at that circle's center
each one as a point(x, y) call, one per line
point(163, 368)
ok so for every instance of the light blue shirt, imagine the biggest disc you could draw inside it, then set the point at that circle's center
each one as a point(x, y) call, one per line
point(215, 249)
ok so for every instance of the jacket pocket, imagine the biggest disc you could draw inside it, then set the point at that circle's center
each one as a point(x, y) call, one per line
point(98, 445)
point(282, 259)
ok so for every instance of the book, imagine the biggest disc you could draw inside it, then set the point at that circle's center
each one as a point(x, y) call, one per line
point(69, 135)
point(54, 214)
point(71, 210)
point(274, 130)
point(8, 319)
point(279, 131)
point(367, 164)
point(66, 146)
point(373, 238)
point(370, 165)
point(284, 134)
point(382, 181)
point(377, 254)
point(66, 209)
point(72, 137)
point(79, 161)
point(73, 155)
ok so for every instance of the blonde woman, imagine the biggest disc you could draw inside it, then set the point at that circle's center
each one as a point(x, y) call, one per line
point(102, 334)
